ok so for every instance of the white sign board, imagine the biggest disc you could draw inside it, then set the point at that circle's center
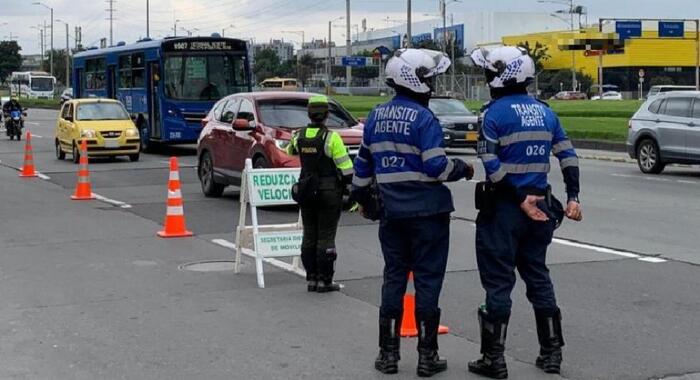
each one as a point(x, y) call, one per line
point(272, 187)
point(268, 187)
point(279, 244)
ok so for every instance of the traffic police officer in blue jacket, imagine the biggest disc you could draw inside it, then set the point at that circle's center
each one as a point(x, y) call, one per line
point(402, 161)
point(517, 212)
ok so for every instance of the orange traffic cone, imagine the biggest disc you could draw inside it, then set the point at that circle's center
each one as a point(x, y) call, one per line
point(83, 190)
point(175, 215)
point(408, 323)
point(28, 167)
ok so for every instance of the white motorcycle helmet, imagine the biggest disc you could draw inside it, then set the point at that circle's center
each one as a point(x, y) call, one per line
point(505, 66)
point(414, 69)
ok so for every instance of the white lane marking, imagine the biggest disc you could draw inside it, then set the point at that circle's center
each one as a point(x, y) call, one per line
point(652, 259)
point(657, 179)
point(43, 176)
point(274, 262)
point(37, 136)
point(111, 201)
point(648, 259)
point(596, 248)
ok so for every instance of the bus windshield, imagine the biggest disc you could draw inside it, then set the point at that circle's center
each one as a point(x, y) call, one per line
point(204, 77)
point(42, 84)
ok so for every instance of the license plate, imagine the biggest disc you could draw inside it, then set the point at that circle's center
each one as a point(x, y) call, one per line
point(111, 144)
point(471, 136)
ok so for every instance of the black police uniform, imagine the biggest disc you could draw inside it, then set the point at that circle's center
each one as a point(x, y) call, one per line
point(320, 217)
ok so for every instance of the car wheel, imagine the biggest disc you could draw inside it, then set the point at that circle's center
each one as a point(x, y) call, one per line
point(76, 153)
point(60, 154)
point(260, 163)
point(134, 157)
point(206, 177)
point(649, 157)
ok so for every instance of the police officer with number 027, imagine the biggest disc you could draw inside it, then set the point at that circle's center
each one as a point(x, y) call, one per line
point(402, 155)
point(517, 212)
point(326, 170)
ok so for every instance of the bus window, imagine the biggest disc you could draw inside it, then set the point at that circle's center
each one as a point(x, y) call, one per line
point(95, 74)
point(125, 71)
point(138, 70)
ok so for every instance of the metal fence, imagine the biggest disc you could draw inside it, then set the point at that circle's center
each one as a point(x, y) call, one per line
point(462, 86)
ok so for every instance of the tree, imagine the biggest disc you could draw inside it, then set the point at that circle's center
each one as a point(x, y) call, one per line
point(59, 65)
point(661, 81)
point(267, 64)
point(10, 59)
point(306, 66)
point(538, 53)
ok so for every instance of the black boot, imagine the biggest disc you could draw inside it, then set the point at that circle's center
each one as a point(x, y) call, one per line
point(308, 258)
point(493, 340)
point(311, 283)
point(389, 343)
point(551, 341)
point(429, 362)
point(326, 269)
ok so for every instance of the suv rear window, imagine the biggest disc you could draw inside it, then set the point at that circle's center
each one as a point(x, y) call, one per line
point(679, 107)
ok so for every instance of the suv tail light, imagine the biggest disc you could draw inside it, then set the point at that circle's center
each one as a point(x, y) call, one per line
point(629, 124)
point(204, 122)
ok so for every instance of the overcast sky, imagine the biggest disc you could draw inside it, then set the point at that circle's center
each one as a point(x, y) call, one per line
point(265, 19)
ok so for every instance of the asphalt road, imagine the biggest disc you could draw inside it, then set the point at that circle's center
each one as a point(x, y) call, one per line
point(89, 292)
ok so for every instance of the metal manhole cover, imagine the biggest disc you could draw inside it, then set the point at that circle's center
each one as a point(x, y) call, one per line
point(209, 266)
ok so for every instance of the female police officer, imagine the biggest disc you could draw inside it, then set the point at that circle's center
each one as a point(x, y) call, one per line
point(517, 214)
point(326, 168)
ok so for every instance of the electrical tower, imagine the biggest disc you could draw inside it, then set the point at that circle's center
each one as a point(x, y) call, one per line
point(111, 11)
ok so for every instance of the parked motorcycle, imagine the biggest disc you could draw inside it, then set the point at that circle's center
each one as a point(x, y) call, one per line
point(14, 123)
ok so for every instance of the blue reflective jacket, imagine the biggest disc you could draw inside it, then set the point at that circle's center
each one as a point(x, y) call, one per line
point(402, 148)
point(516, 138)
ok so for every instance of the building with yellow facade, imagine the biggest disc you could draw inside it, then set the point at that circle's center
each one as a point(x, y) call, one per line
point(673, 58)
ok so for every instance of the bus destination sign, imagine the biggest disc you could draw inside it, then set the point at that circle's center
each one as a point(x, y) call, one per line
point(202, 46)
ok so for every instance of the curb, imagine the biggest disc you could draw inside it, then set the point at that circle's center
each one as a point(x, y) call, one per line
point(619, 147)
point(607, 158)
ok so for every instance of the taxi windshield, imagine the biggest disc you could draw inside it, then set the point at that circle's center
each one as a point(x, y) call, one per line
point(101, 111)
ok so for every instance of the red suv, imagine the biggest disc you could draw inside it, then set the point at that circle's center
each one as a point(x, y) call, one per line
point(258, 126)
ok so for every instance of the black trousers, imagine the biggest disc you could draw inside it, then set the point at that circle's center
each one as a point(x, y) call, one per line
point(507, 239)
point(420, 245)
point(320, 226)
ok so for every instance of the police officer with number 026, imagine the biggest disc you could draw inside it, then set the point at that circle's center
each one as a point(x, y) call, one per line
point(402, 155)
point(517, 212)
point(326, 170)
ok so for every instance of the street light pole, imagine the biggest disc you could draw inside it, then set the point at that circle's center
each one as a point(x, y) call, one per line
point(223, 30)
point(67, 78)
point(329, 68)
point(348, 46)
point(409, 43)
point(51, 51)
point(574, 84)
point(148, 19)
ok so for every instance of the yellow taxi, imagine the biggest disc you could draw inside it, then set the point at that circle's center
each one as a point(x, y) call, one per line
point(104, 123)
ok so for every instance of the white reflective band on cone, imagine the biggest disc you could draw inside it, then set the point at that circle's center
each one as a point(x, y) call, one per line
point(82, 179)
point(175, 210)
point(177, 194)
point(174, 175)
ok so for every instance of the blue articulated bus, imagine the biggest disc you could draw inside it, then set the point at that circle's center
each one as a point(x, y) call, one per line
point(168, 85)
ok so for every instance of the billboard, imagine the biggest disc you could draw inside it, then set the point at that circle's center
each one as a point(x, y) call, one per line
point(456, 30)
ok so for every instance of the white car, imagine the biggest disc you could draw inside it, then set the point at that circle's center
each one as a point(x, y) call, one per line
point(609, 95)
